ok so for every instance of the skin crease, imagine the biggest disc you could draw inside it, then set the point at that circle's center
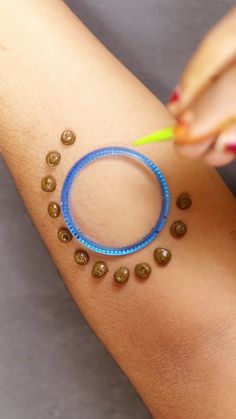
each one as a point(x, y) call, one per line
point(174, 334)
point(205, 99)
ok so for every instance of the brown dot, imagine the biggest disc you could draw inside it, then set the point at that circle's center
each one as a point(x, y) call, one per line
point(178, 229)
point(121, 275)
point(162, 256)
point(48, 184)
point(184, 201)
point(143, 270)
point(68, 137)
point(81, 257)
point(54, 209)
point(64, 235)
point(99, 270)
point(53, 158)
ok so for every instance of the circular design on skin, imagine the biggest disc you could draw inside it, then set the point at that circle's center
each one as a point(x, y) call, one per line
point(178, 229)
point(143, 270)
point(64, 235)
point(48, 184)
point(121, 275)
point(76, 230)
point(54, 209)
point(99, 270)
point(184, 201)
point(53, 158)
point(68, 137)
point(81, 257)
point(162, 256)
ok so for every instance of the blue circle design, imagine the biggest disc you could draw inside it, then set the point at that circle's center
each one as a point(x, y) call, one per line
point(74, 228)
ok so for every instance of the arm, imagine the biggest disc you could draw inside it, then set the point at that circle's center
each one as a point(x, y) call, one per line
point(173, 335)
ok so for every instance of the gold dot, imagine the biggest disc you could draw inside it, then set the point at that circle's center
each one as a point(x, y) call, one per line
point(184, 201)
point(121, 275)
point(54, 209)
point(68, 137)
point(162, 256)
point(178, 229)
point(64, 235)
point(53, 158)
point(143, 270)
point(48, 184)
point(81, 257)
point(99, 270)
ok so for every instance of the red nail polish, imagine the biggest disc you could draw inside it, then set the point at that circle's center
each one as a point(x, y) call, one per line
point(175, 96)
point(231, 148)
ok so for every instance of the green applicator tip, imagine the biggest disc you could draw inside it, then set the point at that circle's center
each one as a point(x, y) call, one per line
point(165, 134)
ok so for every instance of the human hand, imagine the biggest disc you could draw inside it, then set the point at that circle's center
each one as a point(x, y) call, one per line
point(204, 103)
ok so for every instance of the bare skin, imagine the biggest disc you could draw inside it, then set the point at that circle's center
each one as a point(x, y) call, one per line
point(174, 335)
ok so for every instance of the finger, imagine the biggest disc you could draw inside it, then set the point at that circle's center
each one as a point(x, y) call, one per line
point(217, 158)
point(212, 112)
point(224, 150)
point(193, 151)
point(227, 140)
point(215, 53)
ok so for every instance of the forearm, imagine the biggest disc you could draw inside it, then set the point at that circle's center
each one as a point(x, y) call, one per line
point(173, 333)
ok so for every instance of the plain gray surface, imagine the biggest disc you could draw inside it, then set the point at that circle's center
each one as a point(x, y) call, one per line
point(51, 364)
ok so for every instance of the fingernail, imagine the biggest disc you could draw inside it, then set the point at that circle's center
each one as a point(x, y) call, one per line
point(227, 142)
point(175, 96)
point(231, 147)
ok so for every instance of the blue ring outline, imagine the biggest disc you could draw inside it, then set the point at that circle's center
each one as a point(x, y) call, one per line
point(74, 228)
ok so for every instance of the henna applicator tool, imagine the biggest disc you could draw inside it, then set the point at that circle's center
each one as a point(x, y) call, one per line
point(166, 134)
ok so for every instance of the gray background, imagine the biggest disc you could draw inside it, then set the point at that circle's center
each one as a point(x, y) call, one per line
point(51, 364)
